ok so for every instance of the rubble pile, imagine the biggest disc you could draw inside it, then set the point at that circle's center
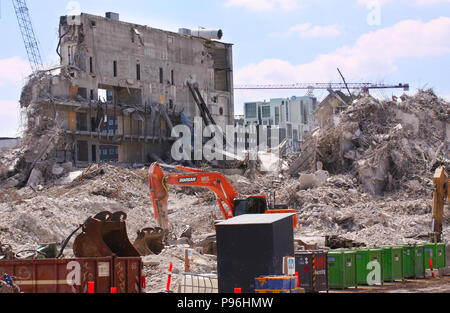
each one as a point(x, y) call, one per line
point(33, 163)
point(368, 179)
point(32, 217)
point(381, 143)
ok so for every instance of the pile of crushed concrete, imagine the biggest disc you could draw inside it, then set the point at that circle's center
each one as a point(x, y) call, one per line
point(368, 177)
point(337, 206)
point(381, 143)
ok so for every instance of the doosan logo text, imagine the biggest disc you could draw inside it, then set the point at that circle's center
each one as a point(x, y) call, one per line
point(187, 180)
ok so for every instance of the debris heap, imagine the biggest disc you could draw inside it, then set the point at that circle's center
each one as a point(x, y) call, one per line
point(34, 162)
point(387, 148)
point(381, 143)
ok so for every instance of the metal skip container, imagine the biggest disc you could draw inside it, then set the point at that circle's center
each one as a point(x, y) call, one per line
point(414, 260)
point(74, 275)
point(436, 252)
point(441, 255)
point(127, 273)
point(393, 263)
point(419, 260)
point(408, 261)
point(369, 264)
point(342, 269)
point(431, 253)
point(312, 269)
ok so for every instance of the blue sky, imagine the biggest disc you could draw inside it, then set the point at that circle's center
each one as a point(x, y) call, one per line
point(275, 41)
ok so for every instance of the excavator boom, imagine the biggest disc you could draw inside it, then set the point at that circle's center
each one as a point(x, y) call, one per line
point(105, 234)
point(213, 181)
point(227, 197)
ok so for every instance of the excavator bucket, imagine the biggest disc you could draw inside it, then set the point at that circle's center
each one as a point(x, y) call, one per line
point(90, 242)
point(104, 235)
point(149, 241)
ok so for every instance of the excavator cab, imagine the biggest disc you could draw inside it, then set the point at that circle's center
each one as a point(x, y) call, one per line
point(250, 205)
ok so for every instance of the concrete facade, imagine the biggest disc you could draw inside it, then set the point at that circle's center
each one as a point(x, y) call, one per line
point(123, 87)
point(326, 113)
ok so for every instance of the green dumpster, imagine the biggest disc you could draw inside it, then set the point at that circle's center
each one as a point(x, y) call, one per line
point(408, 261)
point(419, 260)
point(431, 253)
point(341, 269)
point(376, 255)
point(441, 256)
point(362, 258)
point(437, 253)
point(365, 271)
point(393, 263)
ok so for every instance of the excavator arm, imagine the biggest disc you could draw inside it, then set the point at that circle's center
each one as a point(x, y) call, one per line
point(216, 182)
point(441, 182)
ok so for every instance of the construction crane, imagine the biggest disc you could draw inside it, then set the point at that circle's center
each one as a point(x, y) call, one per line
point(365, 87)
point(29, 38)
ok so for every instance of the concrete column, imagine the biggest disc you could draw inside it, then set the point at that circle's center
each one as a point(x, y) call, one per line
point(89, 151)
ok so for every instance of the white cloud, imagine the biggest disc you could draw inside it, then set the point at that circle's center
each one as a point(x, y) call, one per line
point(265, 5)
point(291, 5)
point(310, 31)
point(372, 56)
point(9, 118)
point(410, 2)
point(13, 71)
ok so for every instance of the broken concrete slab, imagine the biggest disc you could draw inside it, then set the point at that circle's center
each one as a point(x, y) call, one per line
point(35, 178)
point(307, 181)
point(69, 178)
point(57, 170)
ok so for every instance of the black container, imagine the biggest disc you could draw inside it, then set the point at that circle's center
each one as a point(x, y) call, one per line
point(250, 246)
point(312, 269)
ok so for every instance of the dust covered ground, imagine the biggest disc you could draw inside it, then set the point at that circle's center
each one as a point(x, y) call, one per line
point(32, 217)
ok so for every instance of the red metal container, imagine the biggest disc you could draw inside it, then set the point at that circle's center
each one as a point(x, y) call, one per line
point(127, 275)
point(73, 275)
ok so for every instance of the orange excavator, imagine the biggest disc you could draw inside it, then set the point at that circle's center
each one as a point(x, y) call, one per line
point(230, 202)
point(105, 234)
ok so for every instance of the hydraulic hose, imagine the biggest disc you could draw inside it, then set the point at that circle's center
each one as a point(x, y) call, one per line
point(64, 244)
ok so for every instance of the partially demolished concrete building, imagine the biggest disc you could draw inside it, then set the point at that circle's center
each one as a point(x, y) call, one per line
point(122, 87)
point(329, 109)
